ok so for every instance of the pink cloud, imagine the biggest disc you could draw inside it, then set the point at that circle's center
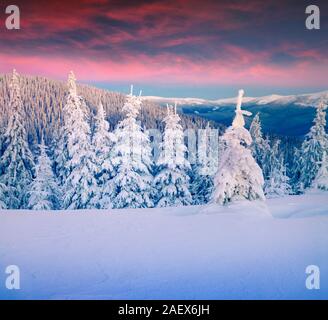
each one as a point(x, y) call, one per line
point(171, 69)
point(175, 41)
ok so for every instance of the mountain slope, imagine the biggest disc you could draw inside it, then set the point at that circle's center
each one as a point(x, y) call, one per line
point(43, 101)
point(286, 115)
point(309, 100)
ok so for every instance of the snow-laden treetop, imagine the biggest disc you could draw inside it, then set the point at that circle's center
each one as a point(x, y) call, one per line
point(239, 121)
point(15, 95)
point(132, 104)
point(172, 112)
point(71, 82)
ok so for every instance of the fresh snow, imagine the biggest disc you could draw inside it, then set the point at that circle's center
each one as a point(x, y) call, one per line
point(238, 175)
point(307, 100)
point(245, 250)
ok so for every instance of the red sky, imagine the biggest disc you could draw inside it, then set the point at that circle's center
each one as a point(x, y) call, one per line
point(263, 45)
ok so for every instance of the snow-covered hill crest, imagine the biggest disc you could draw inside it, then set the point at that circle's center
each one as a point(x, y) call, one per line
point(308, 100)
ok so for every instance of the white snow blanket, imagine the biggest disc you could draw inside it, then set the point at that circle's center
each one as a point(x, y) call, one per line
point(248, 250)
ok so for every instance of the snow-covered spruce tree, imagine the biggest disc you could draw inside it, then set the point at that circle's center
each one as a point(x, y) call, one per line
point(103, 142)
point(276, 182)
point(311, 153)
point(2, 137)
point(260, 146)
point(3, 187)
point(79, 165)
point(321, 180)
point(207, 165)
point(238, 176)
point(16, 163)
point(3, 196)
point(131, 158)
point(43, 192)
point(172, 179)
point(58, 153)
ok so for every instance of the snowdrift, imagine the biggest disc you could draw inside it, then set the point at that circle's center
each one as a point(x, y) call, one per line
point(242, 251)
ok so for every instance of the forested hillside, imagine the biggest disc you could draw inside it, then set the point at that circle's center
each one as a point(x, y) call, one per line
point(70, 146)
point(44, 99)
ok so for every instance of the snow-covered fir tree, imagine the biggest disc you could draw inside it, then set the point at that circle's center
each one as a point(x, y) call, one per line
point(321, 180)
point(59, 155)
point(43, 192)
point(131, 158)
point(16, 163)
point(3, 187)
point(311, 153)
point(103, 142)
point(238, 176)
point(207, 165)
point(3, 196)
point(276, 180)
point(45, 99)
point(260, 145)
point(79, 166)
point(172, 179)
point(2, 137)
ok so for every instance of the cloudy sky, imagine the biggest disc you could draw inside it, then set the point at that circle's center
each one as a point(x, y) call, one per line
point(179, 48)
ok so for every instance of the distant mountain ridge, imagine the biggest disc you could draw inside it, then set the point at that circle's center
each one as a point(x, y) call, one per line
point(308, 100)
point(290, 115)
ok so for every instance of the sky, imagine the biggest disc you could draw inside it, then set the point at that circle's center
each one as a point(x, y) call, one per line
point(194, 48)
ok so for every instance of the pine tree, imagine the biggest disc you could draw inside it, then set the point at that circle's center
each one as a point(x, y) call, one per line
point(172, 179)
point(311, 153)
point(131, 157)
point(2, 137)
point(276, 181)
point(59, 155)
point(321, 180)
point(3, 196)
point(204, 172)
point(16, 164)
point(43, 192)
point(3, 187)
point(79, 167)
point(45, 99)
point(260, 146)
point(103, 142)
point(238, 176)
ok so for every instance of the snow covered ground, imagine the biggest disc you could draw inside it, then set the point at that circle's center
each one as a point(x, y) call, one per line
point(244, 251)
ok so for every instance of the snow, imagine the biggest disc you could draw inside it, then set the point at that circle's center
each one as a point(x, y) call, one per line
point(172, 179)
point(178, 101)
point(132, 161)
point(244, 250)
point(238, 175)
point(304, 100)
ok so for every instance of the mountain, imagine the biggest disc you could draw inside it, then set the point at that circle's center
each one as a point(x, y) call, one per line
point(284, 115)
point(43, 101)
point(305, 100)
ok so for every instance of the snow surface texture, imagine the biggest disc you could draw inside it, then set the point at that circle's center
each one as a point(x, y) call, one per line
point(242, 251)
